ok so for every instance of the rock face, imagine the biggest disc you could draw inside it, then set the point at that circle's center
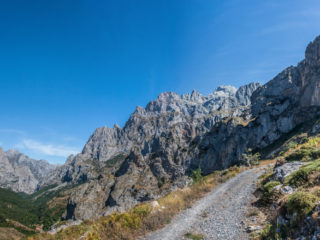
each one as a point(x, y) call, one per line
point(281, 172)
point(163, 142)
point(290, 99)
point(21, 173)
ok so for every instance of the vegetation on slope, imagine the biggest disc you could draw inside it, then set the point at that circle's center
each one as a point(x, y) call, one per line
point(29, 213)
point(292, 213)
point(145, 217)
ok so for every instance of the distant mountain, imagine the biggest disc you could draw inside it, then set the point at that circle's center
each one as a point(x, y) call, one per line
point(21, 173)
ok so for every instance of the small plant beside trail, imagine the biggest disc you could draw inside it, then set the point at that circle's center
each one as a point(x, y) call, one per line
point(197, 176)
point(251, 158)
point(193, 236)
point(268, 190)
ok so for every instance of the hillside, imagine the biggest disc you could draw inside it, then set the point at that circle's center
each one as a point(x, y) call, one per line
point(254, 203)
point(32, 213)
point(287, 196)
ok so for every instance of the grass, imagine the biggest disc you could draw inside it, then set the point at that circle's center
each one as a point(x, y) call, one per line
point(115, 161)
point(266, 231)
point(301, 203)
point(252, 212)
point(268, 190)
point(194, 236)
point(301, 176)
point(269, 187)
point(303, 154)
point(307, 151)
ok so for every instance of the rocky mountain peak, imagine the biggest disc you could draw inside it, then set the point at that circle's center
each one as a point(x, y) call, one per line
point(231, 90)
point(312, 54)
point(196, 96)
point(168, 96)
point(21, 173)
point(139, 110)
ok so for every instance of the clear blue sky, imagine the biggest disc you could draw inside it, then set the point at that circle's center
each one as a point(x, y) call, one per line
point(70, 66)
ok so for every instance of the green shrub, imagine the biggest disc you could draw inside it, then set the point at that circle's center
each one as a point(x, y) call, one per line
point(301, 176)
point(268, 189)
point(197, 175)
point(115, 161)
point(141, 210)
point(266, 177)
point(298, 178)
point(301, 203)
point(251, 159)
point(305, 153)
point(266, 231)
point(315, 154)
point(194, 236)
point(289, 146)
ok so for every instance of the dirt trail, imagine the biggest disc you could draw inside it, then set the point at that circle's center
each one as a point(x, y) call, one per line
point(218, 215)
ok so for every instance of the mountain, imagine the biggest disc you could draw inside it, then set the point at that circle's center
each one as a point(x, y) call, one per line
point(119, 168)
point(21, 173)
point(281, 105)
point(161, 144)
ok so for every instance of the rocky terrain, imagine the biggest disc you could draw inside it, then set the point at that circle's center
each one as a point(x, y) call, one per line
point(21, 173)
point(119, 168)
point(161, 144)
point(174, 134)
point(213, 217)
point(287, 204)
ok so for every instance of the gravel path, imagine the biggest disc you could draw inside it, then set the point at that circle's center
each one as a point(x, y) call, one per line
point(218, 215)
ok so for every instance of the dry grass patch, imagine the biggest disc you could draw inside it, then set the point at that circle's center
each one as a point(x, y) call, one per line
point(10, 234)
point(253, 212)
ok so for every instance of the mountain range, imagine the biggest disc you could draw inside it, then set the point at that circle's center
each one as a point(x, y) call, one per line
point(161, 144)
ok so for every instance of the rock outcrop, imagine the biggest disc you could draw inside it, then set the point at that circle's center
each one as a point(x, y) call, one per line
point(21, 173)
point(281, 172)
point(285, 102)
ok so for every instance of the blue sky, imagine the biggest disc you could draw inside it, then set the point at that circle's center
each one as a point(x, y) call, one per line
point(68, 67)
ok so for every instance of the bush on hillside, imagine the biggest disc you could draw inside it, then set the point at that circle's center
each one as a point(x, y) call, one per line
point(301, 176)
point(197, 175)
point(301, 203)
point(268, 190)
point(251, 158)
